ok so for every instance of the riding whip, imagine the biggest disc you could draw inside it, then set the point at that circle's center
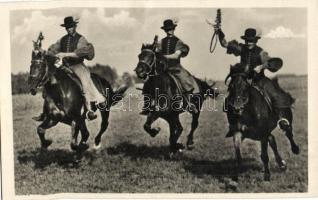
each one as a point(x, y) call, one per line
point(216, 26)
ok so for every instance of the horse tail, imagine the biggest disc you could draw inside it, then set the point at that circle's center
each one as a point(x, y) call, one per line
point(119, 94)
point(277, 86)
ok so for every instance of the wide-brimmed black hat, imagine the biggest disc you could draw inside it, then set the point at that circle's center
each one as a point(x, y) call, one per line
point(250, 35)
point(69, 22)
point(168, 25)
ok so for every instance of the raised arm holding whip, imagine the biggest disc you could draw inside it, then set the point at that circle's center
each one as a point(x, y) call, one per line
point(216, 26)
point(253, 61)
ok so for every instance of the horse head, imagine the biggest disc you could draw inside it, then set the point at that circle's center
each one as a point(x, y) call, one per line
point(146, 61)
point(39, 69)
point(238, 91)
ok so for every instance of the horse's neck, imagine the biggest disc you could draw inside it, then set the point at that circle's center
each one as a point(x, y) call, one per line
point(256, 100)
point(58, 84)
point(162, 82)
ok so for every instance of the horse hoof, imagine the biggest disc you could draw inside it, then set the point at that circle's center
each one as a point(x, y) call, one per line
point(179, 147)
point(154, 131)
point(190, 147)
point(97, 147)
point(283, 166)
point(83, 147)
point(76, 162)
point(97, 142)
point(46, 144)
point(295, 149)
point(74, 147)
point(267, 177)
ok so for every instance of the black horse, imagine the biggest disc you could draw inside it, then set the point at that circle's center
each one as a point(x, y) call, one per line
point(64, 101)
point(251, 116)
point(168, 99)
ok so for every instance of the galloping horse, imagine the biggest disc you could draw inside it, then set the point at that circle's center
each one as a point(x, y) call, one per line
point(161, 84)
point(64, 100)
point(250, 116)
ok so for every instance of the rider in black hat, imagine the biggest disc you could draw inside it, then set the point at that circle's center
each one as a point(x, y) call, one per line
point(254, 60)
point(172, 49)
point(72, 49)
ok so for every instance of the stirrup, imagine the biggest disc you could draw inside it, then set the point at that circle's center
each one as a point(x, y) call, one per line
point(282, 120)
point(89, 118)
point(102, 105)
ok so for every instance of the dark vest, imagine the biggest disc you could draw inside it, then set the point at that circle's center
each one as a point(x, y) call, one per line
point(251, 57)
point(69, 44)
point(168, 46)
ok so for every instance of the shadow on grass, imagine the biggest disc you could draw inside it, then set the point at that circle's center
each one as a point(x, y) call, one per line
point(221, 169)
point(42, 159)
point(139, 151)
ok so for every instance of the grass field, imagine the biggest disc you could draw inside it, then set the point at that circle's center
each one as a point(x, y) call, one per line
point(131, 161)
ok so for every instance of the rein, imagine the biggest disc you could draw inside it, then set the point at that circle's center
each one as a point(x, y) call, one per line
point(230, 75)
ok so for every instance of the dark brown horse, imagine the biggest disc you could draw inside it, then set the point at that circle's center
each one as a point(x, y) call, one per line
point(64, 101)
point(169, 102)
point(250, 116)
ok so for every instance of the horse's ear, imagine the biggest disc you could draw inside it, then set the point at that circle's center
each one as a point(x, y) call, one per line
point(143, 46)
point(36, 54)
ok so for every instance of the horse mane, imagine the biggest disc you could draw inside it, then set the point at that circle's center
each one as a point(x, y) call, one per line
point(147, 46)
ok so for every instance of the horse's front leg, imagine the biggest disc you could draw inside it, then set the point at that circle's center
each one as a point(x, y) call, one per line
point(281, 163)
point(83, 146)
point(265, 159)
point(103, 127)
point(147, 126)
point(74, 135)
point(288, 129)
point(194, 125)
point(237, 141)
point(175, 132)
point(48, 123)
point(286, 125)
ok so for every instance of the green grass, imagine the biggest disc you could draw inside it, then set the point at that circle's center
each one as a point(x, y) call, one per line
point(131, 161)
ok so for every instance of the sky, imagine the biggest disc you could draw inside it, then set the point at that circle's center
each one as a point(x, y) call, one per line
point(118, 33)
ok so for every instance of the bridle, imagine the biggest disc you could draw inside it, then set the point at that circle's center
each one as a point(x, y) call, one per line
point(152, 65)
point(242, 74)
point(45, 77)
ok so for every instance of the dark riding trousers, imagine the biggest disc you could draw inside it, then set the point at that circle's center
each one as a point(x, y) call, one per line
point(168, 46)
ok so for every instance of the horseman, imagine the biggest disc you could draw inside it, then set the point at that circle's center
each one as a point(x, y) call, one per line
point(253, 61)
point(72, 49)
point(171, 48)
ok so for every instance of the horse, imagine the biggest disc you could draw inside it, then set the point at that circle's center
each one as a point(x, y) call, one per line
point(64, 100)
point(251, 116)
point(160, 83)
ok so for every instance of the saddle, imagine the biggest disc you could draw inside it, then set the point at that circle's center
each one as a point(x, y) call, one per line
point(178, 84)
point(78, 82)
point(72, 76)
point(264, 95)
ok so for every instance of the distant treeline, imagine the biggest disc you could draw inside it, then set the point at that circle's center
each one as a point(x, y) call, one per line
point(20, 81)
